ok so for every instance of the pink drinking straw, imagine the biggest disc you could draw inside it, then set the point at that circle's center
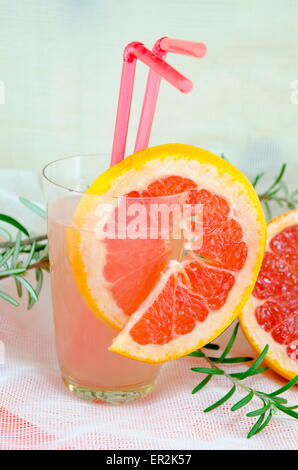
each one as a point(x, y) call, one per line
point(161, 47)
point(132, 52)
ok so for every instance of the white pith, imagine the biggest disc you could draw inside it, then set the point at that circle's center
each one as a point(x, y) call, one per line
point(205, 176)
point(277, 352)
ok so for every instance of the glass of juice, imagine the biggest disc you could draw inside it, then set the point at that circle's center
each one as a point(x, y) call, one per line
point(89, 370)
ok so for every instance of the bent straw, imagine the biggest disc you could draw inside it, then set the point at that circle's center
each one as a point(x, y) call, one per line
point(161, 48)
point(132, 52)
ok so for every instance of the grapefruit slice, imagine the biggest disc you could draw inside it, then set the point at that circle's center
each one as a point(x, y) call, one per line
point(271, 314)
point(170, 304)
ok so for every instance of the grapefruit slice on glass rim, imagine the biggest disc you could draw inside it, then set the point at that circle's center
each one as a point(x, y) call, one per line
point(271, 314)
point(168, 307)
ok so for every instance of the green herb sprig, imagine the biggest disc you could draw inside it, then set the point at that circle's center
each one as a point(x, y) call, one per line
point(277, 192)
point(271, 403)
point(21, 254)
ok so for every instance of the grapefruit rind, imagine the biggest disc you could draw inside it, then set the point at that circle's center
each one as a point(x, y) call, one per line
point(276, 358)
point(138, 171)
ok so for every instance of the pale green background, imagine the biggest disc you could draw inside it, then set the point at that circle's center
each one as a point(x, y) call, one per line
point(61, 63)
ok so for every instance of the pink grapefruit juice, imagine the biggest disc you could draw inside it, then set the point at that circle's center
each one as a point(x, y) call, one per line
point(88, 368)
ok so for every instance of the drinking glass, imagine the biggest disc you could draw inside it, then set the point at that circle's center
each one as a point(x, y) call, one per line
point(89, 370)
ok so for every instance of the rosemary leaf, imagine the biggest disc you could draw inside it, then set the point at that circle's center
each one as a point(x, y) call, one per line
point(39, 282)
point(28, 286)
point(11, 272)
point(196, 354)
point(256, 426)
point(279, 177)
point(34, 207)
point(202, 384)
point(9, 299)
point(222, 400)
point(243, 375)
point(230, 343)
point(279, 400)
point(19, 288)
point(288, 410)
point(259, 411)
point(285, 387)
point(212, 346)
point(31, 254)
point(232, 360)
point(257, 179)
point(14, 222)
point(206, 370)
point(257, 363)
point(16, 250)
point(262, 426)
point(243, 402)
point(6, 256)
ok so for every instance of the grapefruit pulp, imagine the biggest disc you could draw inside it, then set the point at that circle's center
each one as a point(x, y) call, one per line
point(168, 305)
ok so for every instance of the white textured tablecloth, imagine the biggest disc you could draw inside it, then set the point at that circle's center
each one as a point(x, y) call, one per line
point(37, 412)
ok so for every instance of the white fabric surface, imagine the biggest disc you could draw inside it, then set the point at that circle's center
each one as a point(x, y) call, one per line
point(37, 412)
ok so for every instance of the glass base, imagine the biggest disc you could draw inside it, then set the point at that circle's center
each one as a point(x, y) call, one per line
point(112, 397)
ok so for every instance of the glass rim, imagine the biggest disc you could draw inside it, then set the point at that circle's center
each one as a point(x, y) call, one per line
point(69, 157)
point(85, 193)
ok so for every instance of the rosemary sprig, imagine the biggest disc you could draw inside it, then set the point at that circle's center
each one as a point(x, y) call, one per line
point(271, 403)
point(19, 255)
point(277, 193)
